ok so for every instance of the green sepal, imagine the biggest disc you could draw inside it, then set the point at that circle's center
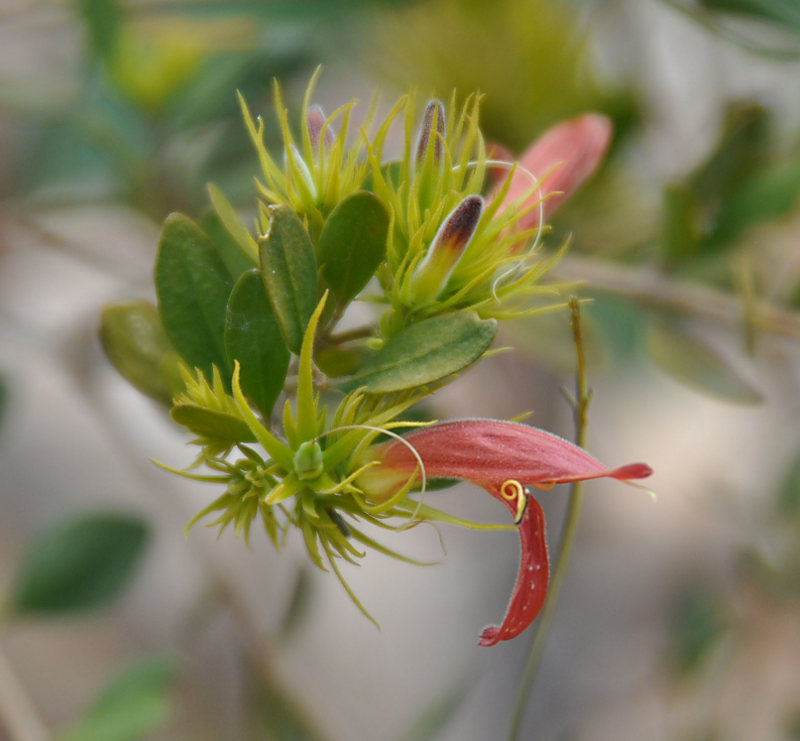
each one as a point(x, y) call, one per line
point(138, 347)
point(279, 452)
point(306, 423)
point(426, 352)
point(212, 424)
point(253, 337)
point(193, 285)
point(353, 244)
point(289, 271)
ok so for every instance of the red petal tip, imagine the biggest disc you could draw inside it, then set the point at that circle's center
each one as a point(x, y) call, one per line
point(632, 471)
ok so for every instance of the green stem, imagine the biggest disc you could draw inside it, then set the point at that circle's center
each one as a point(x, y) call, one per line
point(568, 533)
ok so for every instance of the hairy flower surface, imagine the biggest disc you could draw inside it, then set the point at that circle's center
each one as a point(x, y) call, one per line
point(559, 162)
point(501, 457)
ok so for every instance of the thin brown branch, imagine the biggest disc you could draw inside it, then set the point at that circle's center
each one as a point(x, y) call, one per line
point(649, 288)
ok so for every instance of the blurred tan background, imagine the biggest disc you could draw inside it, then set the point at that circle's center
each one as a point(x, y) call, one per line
point(679, 618)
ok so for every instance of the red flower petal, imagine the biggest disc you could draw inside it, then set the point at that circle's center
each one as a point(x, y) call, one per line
point(489, 452)
point(502, 457)
point(565, 156)
point(534, 574)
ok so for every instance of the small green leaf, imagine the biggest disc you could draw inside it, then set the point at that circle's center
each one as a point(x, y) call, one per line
point(212, 424)
point(193, 286)
point(353, 244)
point(138, 347)
point(134, 704)
point(426, 352)
point(336, 362)
point(232, 223)
point(691, 362)
point(253, 337)
point(236, 262)
point(78, 564)
point(289, 271)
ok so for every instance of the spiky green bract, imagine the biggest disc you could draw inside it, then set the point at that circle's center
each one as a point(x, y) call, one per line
point(497, 274)
point(307, 481)
point(318, 172)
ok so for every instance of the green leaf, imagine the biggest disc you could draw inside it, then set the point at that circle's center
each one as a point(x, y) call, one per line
point(783, 12)
point(768, 195)
point(236, 261)
point(353, 244)
point(232, 223)
point(289, 271)
point(212, 424)
point(426, 352)
point(253, 337)
point(138, 347)
point(134, 704)
point(691, 362)
point(193, 286)
point(80, 563)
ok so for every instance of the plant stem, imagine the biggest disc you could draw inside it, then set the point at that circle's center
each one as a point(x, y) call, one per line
point(649, 288)
point(17, 712)
point(568, 533)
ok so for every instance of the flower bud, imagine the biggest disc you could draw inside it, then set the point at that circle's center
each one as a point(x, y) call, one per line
point(454, 235)
point(308, 462)
point(431, 131)
point(315, 120)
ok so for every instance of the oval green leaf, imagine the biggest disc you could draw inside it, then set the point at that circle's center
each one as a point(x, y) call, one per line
point(353, 244)
point(134, 704)
point(253, 337)
point(694, 364)
point(212, 424)
point(193, 285)
point(426, 352)
point(78, 564)
point(289, 271)
point(138, 347)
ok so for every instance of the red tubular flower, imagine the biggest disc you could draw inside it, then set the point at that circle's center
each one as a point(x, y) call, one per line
point(502, 457)
point(564, 157)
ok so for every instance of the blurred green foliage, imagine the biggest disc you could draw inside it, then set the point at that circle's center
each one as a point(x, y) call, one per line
point(531, 58)
point(79, 563)
point(698, 621)
point(134, 704)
